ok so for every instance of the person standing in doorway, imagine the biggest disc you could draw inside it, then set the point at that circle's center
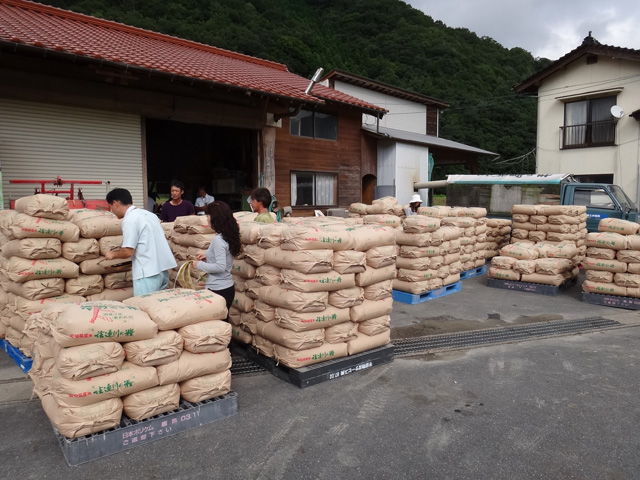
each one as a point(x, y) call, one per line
point(414, 204)
point(143, 241)
point(225, 245)
point(176, 206)
point(203, 200)
point(260, 201)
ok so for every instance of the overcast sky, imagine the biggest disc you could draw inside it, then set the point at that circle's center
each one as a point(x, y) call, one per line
point(546, 28)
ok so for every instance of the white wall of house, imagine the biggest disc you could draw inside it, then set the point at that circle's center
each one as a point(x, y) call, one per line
point(607, 75)
point(403, 114)
point(403, 164)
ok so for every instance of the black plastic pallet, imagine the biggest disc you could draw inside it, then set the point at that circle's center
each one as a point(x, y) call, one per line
point(538, 288)
point(320, 372)
point(617, 301)
point(131, 433)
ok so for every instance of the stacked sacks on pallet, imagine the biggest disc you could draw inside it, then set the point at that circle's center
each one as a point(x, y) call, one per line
point(44, 349)
point(480, 238)
point(4, 313)
point(6, 217)
point(552, 224)
point(245, 281)
point(543, 263)
point(612, 263)
point(309, 275)
point(191, 349)
point(88, 373)
point(100, 279)
point(94, 360)
point(498, 235)
point(428, 254)
point(381, 206)
point(34, 271)
point(473, 239)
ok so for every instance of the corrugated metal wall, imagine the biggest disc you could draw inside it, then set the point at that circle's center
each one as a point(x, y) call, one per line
point(42, 141)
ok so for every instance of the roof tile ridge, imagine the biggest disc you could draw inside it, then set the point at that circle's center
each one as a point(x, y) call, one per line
point(88, 19)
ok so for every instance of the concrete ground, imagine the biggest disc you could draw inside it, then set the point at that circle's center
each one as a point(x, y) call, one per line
point(555, 407)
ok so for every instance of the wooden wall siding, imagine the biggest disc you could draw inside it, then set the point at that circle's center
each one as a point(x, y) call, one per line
point(342, 157)
point(432, 121)
point(369, 155)
point(38, 80)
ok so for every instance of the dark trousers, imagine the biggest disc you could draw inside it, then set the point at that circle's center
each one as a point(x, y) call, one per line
point(228, 294)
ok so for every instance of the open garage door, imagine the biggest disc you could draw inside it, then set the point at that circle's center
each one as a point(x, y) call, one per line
point(222, 159)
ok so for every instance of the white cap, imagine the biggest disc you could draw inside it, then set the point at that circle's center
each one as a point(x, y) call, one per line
point(415, 198)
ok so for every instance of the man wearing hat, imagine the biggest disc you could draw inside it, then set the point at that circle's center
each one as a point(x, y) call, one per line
point(414, 204)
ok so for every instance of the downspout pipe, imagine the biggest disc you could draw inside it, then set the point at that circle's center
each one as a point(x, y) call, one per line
point(294, 112)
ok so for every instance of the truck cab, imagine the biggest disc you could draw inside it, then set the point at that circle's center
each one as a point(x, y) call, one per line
point(601, 200)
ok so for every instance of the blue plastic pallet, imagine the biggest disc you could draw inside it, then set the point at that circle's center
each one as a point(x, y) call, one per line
point(473, 272)
point(23, 362)
point(412, 298)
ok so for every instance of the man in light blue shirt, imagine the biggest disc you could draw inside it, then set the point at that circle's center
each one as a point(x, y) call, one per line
point(143, 241)
point(202, 201)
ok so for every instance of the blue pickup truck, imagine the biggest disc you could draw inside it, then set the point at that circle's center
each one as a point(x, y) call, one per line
point(498, 193)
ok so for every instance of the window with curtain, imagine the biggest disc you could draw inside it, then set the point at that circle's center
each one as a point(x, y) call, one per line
point(589, 123)
point(314, 189)
point(314, 125)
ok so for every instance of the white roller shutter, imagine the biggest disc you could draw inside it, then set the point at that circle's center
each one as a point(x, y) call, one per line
point(41, 141)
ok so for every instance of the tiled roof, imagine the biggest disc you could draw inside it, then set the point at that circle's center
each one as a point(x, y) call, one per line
point(531, 84)
point(358, 80)
point(49, 28)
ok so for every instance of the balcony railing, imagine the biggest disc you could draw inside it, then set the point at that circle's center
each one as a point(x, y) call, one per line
point(596, 134)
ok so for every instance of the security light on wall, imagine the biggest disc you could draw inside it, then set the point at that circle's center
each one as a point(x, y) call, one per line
point(314, 80)
point(616, 111)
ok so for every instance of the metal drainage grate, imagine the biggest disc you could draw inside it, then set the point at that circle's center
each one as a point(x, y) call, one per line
point(411, 346)
point(241, 366)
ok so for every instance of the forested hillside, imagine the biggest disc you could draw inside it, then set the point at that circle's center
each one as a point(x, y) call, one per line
point(386, 40)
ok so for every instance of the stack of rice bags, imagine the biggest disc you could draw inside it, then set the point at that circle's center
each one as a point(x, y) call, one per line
point(5, 314)
point(552, 224)
point(139, 357)
point(544, 263)
point(381, 206)
point(188, 237)
point(99, 279)
point(612, 264)
point(428, 254)
point(88, 376)
point(315, 290)
point(473, 231)
point(34, 271)
point(498, 235)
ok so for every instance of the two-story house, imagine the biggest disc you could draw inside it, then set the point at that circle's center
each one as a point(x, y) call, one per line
point(588, 104)
point(401, 148)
